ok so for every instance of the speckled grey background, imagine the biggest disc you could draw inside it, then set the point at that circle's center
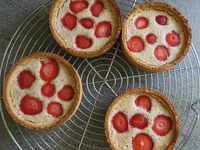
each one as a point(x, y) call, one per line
point(13, 12)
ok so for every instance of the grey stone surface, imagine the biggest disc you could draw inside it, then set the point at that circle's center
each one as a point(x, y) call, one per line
point(13, 12)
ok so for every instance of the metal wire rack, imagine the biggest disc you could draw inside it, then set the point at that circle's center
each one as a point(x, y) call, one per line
point(103, 78)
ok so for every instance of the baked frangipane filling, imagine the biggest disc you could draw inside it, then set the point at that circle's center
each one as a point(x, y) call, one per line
point(154, 37)
point(86, 24)
point(41, 91)
point(139, 121)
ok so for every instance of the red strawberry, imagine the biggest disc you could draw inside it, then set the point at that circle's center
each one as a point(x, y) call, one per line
point(103, 29)
point(161, 53)
point(120, 122)
point(173, 39)
point(48, 89)
point(141, 22)
point(151, 38)
point(83, 42)
point(25, 79)
point(136, 44)
point(138, 121)
point(49, 70)
point(97, 8)
point(161, 19)
point(66, 93)
point(55, 109)
point(87, 23)
point(30, 105)
point(142, 141)
point(78, 6)
point(69, 21)
point(162, 125)
point(143, 102)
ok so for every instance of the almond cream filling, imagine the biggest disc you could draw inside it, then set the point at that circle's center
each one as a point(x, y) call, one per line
point(147, 55)
point(68, 36)
point(16, 94)
point(127, 105)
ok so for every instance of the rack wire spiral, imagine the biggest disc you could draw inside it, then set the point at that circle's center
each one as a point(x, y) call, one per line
point(103, 79)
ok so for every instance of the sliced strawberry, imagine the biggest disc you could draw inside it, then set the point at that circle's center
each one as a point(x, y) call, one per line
point(66, 93)
point(136, 44)
point(142, 141)
point(161, 53)
point(161, 19)
point(87, 23)
point(143, 102)
point(55, 109)
point(83, 42)
point(120, 122)
point(151, 38)
point(69, 21)
point(48, 89)
point(30, 105)
point(173, 39)
point(138, 121)
point(141, 22)
point(25, 79)
point(97, 8)
point(103, 29)
point(162, 125)
point(78, 6)
point(49, 70)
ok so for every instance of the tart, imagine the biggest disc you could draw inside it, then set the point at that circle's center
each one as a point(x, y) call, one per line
point(85, 28)
point(141, 119)
point(155, 36)
point(42, 91)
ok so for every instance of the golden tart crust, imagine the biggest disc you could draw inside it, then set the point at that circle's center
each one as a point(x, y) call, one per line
point(84, 54)
point(177, 16)
point(67, 116)
point(161, 99)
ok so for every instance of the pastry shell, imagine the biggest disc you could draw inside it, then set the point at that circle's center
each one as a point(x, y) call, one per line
point(67, 116)
point(170, 11)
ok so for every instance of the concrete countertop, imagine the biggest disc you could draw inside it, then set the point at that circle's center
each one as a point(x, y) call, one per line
point(13, 12)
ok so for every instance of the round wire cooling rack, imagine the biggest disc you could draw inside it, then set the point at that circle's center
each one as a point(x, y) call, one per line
point(103, 79)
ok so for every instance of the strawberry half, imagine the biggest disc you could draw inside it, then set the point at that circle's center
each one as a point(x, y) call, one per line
point(142, 141)
point(55, 109)
point(97, 8)
point(30, 105)
point(103, 29)
point(151, 38)
point(161, 19)
point(25, 79)
point(49, 70)
point(48, 89)
point(87, 23)
point(143, 102)
point(78, 6)
point(141, 22)
point(120, 122)
point(66, 93)
point(69, 21)
point(161, 53)
point(138, 121)
point(83, 42)
point(173, 39)
point(162, 125)
point(136, 44)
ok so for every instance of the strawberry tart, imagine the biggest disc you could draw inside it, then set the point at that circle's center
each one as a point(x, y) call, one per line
point(42, 91)
point(155, 36)
point(141, 119)
point(85, 28)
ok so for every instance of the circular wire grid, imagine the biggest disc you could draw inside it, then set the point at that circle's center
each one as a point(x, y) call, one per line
point(103, 79)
